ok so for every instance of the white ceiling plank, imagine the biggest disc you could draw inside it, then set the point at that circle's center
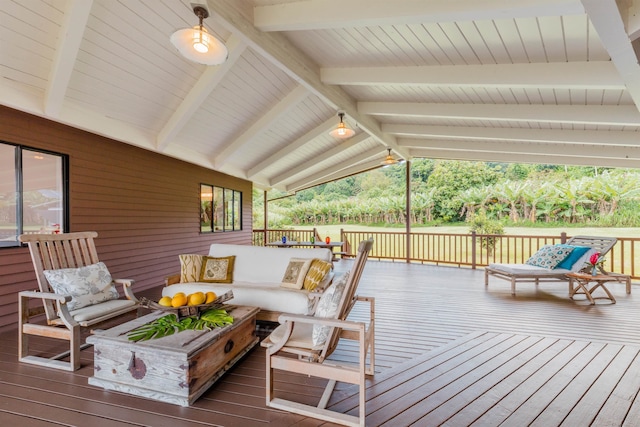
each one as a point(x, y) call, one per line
point(517, 134)
point(291, 172)
point(69, 39)
point(308, 137)
point(280, 110)
point(338, 168)
point(198, 94)
point(353, 170)
point(325, 14)
point(606, 19)
point(537, 158)
point(579, 114)
point(568, 75)
point(282, 53)
point(633, 20)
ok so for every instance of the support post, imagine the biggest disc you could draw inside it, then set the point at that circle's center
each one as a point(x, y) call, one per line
point(266, 219)
point(408, 210)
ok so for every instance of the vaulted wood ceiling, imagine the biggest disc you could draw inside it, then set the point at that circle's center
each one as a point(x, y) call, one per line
point(541, 81)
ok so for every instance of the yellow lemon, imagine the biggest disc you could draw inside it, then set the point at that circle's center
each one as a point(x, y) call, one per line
point(211, 297)
point(179, 300)
point(196, 298)
point(165, 301)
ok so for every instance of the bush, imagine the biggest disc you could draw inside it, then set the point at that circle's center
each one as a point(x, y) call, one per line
point(482, 225)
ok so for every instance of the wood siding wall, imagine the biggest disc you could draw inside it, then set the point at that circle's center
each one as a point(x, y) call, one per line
point(144, 206)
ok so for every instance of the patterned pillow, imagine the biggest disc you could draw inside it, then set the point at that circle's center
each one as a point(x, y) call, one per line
point(316, 274)
point(190, 267)
point(217, 270)
point(549, 256)
point(328, 308)
point(87, 285)
point(295, 273)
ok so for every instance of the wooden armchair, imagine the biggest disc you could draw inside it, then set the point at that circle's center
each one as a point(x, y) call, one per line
point(291, 348)
point(55, 252)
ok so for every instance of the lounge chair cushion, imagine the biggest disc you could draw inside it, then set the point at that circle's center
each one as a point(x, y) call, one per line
point(87, 285)
point(528, 270)
point(328, 308)
point(104, 308)
point(300, 337)
point(574, 256)
point(549, 256)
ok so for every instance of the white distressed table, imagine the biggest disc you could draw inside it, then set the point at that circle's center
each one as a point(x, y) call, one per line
point(175, 369)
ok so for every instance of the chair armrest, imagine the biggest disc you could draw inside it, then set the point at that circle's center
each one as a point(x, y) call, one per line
point(126, 286)
point(172, 280)
point(45, 295)
point(322, 321)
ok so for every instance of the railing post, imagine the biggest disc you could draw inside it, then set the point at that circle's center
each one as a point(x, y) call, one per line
point(473, 250)
point(563, 237)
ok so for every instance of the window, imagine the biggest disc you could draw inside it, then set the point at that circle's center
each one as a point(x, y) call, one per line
point(220, 209)
point(33, 192)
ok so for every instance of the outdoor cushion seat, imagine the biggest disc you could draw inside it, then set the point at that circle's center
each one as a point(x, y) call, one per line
point(529, 269)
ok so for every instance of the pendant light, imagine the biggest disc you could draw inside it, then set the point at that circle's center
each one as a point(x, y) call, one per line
point(197, 45)
point(389, 160)
point(342, 131)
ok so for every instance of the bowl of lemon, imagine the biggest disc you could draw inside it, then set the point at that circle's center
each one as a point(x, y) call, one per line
point(188, 304)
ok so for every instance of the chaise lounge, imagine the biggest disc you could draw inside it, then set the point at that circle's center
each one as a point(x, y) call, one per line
point(527, 273)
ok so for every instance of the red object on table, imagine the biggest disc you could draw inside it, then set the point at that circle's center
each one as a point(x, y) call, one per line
point(327, 240)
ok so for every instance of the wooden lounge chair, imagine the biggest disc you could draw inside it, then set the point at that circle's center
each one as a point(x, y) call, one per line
point(524, 273)
point(55, 252)
point(290, 348)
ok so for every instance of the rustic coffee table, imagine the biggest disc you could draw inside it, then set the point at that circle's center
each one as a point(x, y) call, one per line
point(175, 369)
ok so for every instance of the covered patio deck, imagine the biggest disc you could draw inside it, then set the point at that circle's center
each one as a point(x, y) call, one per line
point(448, 352)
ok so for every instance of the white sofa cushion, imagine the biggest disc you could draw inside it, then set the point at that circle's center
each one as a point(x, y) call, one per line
point(267, 296)
point(259, 264)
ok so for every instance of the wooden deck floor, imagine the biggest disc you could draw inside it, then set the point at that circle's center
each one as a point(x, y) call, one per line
point(449, 352)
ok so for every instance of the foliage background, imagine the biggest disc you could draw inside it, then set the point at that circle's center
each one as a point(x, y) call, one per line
point(451, 192)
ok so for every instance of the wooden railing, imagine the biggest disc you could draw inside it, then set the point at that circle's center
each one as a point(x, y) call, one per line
point(462, 250)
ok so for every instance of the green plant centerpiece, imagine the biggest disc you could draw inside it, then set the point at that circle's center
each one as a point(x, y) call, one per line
point(170, 324)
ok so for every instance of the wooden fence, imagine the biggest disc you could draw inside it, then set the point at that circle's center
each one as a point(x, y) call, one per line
point(461, 250)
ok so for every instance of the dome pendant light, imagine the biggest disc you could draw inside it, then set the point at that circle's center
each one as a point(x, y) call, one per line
point(389, 160)
point(342, 131)
point(197, 45)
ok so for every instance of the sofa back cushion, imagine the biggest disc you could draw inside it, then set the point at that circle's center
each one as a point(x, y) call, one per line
point(264, 264)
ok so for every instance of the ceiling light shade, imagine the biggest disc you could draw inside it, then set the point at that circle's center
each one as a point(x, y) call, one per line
point(197, 45)
point(342, 131)
point(389, 160)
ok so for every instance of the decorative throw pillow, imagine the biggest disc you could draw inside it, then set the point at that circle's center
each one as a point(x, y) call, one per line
point(87, 285)
point(328, 308)
point(575, 255)
point(190, 267)
point(318, 270)
point(549, 256)
point(295, 273)
point(217, 270)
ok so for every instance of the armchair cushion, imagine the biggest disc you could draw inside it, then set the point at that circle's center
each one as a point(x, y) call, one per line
point(549, 256)
point(295, 273)
point(190, 267)
point(87, 285)
point(217, 270)
point(328, 308)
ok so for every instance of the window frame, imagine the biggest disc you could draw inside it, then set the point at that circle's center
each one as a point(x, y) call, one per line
point(19, 150)
point(224, 215)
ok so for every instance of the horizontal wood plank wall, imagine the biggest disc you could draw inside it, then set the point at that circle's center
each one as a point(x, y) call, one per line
point(144, 206)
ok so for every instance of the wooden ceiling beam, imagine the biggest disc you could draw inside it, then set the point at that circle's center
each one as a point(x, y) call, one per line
point(69, 40)
point(325, 14)
point(598, 137)
point(562, 75)
point(606, 115)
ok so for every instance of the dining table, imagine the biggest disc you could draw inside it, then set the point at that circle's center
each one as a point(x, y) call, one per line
point(317, 244)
